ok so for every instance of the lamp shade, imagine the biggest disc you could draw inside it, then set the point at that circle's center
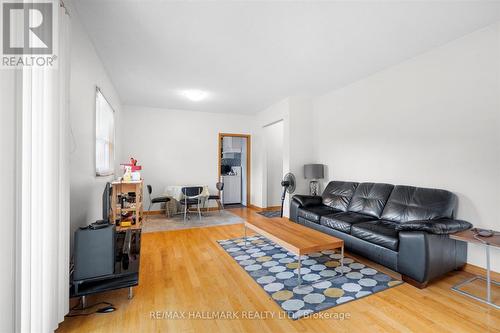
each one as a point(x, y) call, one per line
point(314, 171)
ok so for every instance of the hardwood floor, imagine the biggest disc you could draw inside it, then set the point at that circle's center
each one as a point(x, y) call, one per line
point(186, 270)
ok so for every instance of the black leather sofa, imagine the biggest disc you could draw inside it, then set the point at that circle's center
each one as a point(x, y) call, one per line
point(404, 228)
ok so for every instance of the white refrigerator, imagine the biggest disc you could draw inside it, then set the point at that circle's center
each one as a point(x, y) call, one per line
point(232, 187)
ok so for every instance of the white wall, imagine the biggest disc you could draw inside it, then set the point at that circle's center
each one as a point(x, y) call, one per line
point(7, 204)
point(274, 157)
point(277, 112)
point(301, 141)
point(432, 121)
point(177, 147)
point(298, 147)
point(87, 72)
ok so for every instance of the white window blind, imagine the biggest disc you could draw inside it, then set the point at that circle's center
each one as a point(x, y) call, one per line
point(105, 136)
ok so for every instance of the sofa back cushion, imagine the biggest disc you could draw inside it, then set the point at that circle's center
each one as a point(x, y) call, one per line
point(370, 198)
point(408, 203)
point(338, 194)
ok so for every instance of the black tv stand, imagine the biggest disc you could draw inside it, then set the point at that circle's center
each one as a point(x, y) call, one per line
point(126, 270)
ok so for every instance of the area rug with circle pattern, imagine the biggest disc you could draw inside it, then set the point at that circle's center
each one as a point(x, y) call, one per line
point(325, 284)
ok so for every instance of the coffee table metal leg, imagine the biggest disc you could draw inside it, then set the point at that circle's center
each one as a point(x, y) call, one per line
point(245, 232)
point(488, 277)
point(298, 271)
point(342, 260)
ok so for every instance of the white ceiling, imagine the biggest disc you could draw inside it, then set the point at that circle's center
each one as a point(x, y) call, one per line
point(248, 55)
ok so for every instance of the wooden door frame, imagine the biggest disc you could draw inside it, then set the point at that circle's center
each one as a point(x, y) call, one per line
point(219, 158)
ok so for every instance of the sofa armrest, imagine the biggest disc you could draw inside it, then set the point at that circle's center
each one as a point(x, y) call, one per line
point(424, 256)
point(437, 227)
point(307, 200)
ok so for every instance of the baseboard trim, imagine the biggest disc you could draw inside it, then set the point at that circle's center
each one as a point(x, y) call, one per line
point(272, 208)
point(212, 209)
point(257, 208)
point(262, 209)
point(154, 212)
point(476, 270)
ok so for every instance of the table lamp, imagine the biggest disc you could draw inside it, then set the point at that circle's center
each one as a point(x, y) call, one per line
point(314, 172)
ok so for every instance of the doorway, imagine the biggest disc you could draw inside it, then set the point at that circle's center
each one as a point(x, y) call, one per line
point(234, 168)
point(273, 134)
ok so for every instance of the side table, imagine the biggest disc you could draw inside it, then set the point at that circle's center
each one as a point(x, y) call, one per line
point(487, 242)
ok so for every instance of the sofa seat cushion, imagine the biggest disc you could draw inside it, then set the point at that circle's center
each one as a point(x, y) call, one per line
point(343, 221)
point(378, 232)
point(314, 213)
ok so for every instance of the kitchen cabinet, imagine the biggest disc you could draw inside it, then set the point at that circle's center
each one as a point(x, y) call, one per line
point(232, 189)
point(236, 144)
point(231, 144)
point(226, 143)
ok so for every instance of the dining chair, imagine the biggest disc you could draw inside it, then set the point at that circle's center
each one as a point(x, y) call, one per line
point(156, 200)
point(192, 197)
point(217, 197)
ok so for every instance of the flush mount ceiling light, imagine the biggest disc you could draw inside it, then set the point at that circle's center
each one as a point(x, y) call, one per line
point(195, 95)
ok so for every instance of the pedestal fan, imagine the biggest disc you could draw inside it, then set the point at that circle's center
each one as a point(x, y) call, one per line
point(288, 184)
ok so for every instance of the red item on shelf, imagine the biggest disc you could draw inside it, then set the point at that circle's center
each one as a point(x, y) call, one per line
point(133, 167)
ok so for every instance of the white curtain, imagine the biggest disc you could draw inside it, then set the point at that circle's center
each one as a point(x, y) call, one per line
point(42, 254)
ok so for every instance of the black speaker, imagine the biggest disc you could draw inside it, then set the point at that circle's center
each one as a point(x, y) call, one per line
point(94, 252)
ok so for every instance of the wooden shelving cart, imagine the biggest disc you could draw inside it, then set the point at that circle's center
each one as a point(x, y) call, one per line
point(129, 189)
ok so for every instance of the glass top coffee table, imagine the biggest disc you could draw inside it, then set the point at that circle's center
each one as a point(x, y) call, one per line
point(297, 239)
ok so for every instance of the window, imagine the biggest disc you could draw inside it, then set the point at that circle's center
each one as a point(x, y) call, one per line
point(105, 136)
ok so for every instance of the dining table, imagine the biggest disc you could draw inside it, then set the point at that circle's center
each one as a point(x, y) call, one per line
point(174, 192)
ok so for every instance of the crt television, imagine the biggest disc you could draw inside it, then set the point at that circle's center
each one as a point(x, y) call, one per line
point(106, 202)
